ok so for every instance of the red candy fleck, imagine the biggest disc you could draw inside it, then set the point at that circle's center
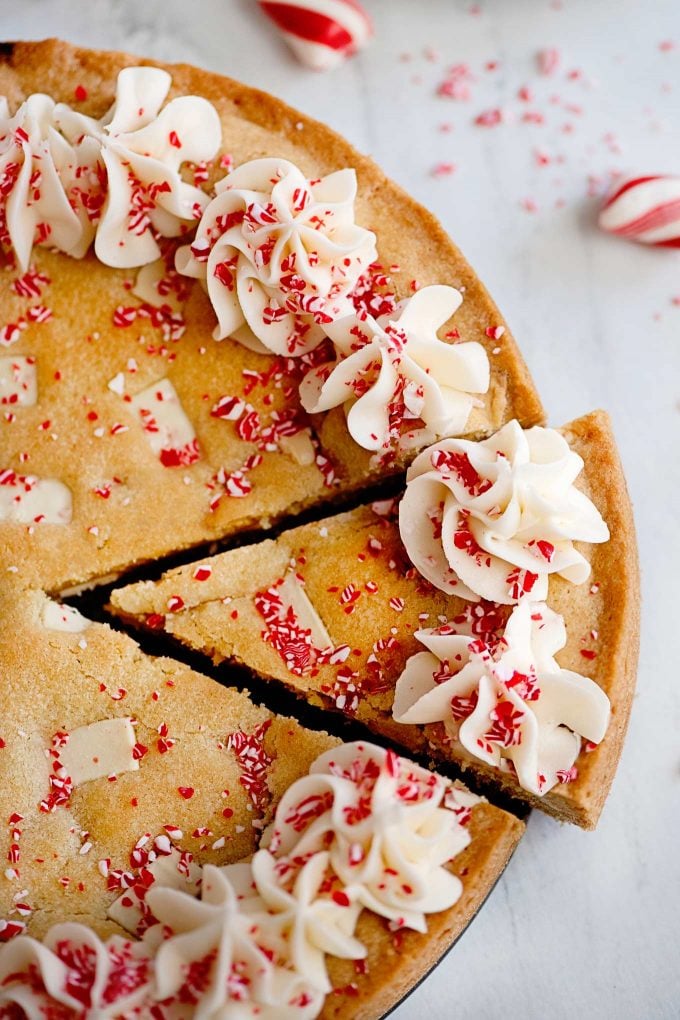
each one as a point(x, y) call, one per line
point(349, 596)
point(495, 332)
point(464, 540)
point(351, 990)
point(520, 583)
point(30, 284)
point(545, 549)
point(9, 929)
point(156, 621)
point(548, 60)
point(489, 118)
point(443, 169)
point(461, 706)
point(505, 729)
point(292, 641)
point(459, 465)
point(123, 317)
point(181, 456)
point(393, 764)
point(308, 810)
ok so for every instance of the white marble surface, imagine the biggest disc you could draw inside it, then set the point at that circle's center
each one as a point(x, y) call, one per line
point(582, 924)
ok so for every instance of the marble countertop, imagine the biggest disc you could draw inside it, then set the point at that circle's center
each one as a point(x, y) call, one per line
point(581, 924)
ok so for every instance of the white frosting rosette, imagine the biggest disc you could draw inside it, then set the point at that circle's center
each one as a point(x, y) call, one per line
point(313, 924)
point(506, 701)
point(387, 832)
point(73, 968)
point(279, 254)
point(140, 146)
point(493, 519)
point(39, 184)
point(401, 385)
point(237, 958)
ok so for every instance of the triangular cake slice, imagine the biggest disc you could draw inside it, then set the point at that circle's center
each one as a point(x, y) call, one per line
point(121, 773)
point(348, 583)
point(95, 479)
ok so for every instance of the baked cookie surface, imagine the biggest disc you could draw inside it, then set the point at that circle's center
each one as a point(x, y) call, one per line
point(94, 353)
point(358, 578)
point(184, 797)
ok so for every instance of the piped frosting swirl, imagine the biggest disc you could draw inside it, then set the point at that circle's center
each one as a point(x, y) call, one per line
point(494, 519)
point(238, 953)
point(66, 178)
point(387, 829)
point(401, 386)
point(135, 153)
point(74, 969)
point(279, 254)
point(504, 697)
point(39, 184)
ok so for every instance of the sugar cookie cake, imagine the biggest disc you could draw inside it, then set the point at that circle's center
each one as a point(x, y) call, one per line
point(216, 315)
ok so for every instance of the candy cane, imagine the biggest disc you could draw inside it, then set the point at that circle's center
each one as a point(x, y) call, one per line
point(645, 209)
point(321, 33)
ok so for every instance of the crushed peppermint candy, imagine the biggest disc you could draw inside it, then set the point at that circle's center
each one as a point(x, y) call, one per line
point(254, 762)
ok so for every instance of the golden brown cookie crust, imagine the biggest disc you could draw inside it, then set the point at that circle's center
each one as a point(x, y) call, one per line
point(396, 964)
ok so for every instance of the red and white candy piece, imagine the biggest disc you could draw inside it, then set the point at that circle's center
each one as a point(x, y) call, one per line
point(646, 210)
point(321, 33)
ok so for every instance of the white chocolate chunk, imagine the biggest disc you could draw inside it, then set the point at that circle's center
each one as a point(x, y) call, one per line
point(299, 447)
point(56, 616)
point(170, 433)
point(117, 384)
point(101, 749)
point(18, 382)
point(25, 499)
point(294, 595)
point(126, 910)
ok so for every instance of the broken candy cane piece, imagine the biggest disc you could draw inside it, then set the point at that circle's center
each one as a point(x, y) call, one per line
point(646, 210)
point(321, 33)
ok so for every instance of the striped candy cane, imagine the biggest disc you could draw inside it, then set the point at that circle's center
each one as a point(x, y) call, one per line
point(645, 209)
point(321, 33)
